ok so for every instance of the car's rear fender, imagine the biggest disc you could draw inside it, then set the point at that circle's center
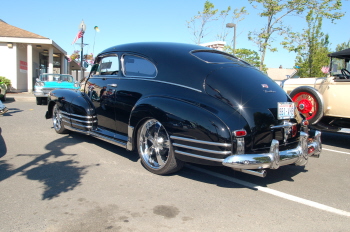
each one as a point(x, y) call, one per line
point(196, 133)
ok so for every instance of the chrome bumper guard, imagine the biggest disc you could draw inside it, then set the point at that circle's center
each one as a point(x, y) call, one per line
point(307, 147)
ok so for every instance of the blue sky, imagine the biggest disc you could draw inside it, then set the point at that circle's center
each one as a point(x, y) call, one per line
point(152, 20)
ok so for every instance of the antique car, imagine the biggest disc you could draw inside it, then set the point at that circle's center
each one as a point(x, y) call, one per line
point(48, 82)
point(175, 103)
point(324, 101)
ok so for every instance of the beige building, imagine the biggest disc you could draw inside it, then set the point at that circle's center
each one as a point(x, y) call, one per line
point(25, 55)
point(279, 74)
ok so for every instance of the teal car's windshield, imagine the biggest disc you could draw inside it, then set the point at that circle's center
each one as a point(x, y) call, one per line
point(56, 77)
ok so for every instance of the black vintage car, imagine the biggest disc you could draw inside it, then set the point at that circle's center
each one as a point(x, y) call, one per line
point(177, 103)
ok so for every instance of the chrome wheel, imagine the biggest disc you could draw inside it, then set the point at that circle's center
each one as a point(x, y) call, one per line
point(155, 148)
point(57, 120)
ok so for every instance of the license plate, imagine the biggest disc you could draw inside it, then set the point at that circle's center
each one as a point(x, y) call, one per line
point(285, 110)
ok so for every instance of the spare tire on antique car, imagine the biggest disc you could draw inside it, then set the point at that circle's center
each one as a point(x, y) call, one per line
point(309, 102)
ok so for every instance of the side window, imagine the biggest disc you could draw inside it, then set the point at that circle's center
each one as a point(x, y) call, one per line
point(135, 66)
point(109, 65)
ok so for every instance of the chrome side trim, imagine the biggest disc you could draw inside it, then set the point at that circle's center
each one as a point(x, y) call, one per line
point(129, 144)
point(88, 122)
point(201, 141)
point(165, 82)
point(199, 156)
point(80, 125)
point(75, 115)
point(201, 149)
point(96, 135)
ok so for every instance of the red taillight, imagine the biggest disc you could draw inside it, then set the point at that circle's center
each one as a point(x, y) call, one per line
point(240, 133)
point(311, 150)
point(294, 130)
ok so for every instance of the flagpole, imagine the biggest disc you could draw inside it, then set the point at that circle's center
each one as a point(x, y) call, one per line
point(81, 57)
point(82, 28)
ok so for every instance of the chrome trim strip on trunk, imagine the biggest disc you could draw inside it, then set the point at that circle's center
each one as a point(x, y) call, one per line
point(201, 149)
point(199, 156)
point(201, 141)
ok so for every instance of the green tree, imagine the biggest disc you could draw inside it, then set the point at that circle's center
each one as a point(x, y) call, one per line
point(312, 44)
point(237, 16)
point(250, 56)
point(343, 46)
point(198, 24)
point(313, 55)
point(274, 11)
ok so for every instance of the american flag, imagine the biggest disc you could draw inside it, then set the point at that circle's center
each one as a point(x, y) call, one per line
point(79, 35)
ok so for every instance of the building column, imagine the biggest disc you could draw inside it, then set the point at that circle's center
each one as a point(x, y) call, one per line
point(30, 68)
point(50, 60)
point(63, 64)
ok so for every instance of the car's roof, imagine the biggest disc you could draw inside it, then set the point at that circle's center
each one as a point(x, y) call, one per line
point(343, 54)
point(150, 47)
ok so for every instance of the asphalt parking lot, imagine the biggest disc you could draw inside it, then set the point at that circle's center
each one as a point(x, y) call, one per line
point(52, 182)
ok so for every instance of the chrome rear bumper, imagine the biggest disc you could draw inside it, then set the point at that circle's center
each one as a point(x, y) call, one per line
point(307, 147)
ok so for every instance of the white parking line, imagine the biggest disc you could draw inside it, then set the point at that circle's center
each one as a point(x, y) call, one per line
point(274, 192)
point(336, 151)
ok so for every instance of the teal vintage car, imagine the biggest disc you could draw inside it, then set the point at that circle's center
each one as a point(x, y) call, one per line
point(48, 82)
point(3, 88)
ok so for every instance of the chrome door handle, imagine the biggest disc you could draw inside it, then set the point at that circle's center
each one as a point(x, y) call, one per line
point(112, 85)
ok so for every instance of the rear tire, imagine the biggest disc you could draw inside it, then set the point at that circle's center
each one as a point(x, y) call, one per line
point(309, 103)
point(155, 149)
point(57, 121)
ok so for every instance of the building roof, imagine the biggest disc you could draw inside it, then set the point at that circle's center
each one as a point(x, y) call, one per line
point(278, 74)
point(7, 30)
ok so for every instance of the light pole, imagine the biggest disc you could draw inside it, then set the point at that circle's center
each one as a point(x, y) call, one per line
point(230, 25)
point(82, 28)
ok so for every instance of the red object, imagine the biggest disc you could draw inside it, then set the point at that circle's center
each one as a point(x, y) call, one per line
point(240, 133)
point(306, 104)
point(79, 35)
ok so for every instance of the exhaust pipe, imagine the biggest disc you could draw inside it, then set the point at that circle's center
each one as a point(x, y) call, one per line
point(260, 173)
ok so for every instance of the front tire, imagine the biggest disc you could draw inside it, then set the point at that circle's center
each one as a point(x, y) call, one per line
point(155, 149)
point(309, 103)
point(57, 121)
point(39, 101)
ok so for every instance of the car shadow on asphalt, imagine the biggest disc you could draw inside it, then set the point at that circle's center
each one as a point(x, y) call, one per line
point(131, 155)
point(285, 173)
point(336, 139)
point(57, 176)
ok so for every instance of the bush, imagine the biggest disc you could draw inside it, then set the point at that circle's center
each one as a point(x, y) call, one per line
point(4, 80)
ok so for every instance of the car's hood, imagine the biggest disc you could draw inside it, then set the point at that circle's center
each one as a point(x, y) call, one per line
point(54, 84)
point(250, 92)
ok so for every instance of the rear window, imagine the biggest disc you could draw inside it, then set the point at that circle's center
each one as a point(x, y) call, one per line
point(215, 57)
point(135, 66)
